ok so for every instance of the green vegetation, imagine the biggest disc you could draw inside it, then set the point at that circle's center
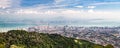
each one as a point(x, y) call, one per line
point(24, 39)
point(109, 46)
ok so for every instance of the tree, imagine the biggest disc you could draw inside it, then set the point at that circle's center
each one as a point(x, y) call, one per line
point(109, 46)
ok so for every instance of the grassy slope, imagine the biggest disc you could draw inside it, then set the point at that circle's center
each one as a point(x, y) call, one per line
point(23, 39)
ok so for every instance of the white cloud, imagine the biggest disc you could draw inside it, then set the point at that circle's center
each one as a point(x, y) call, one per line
point(26, 12)
point(8, 3)
point(58, 1)
point(105, 3)
point(63, 3)
point(67, 13)
point(77, 14)
point(79, 6)
point(5, 3)
point(91, 7)
point(33, 11)
point(42, 11)
point(16, 3)
point(70, 13)
point(91, 11)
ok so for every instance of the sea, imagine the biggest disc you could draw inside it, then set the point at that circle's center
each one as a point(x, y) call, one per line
point(6, 26)
point(19, 22)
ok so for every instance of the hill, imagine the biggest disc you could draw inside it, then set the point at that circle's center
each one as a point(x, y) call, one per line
point(24, 39)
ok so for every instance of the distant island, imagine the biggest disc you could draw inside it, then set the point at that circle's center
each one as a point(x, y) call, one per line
point(24, 39)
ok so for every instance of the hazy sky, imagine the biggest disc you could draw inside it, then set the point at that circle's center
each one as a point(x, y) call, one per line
point(94, 11)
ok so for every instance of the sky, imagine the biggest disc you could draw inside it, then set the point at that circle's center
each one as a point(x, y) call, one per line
point(89, 11)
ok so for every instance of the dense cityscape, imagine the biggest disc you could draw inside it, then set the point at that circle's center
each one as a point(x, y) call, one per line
point(59, 23)
point(97, 35)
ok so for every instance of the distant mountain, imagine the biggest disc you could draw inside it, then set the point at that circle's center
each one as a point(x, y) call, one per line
point(24, 39)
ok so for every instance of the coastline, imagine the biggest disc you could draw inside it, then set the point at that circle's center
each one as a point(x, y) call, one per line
point(5, 29)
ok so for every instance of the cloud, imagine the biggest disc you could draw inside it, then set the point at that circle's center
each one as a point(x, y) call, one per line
point(8, 3)
point(91, 11)
point(59, 1)
point(71, 13)
point(91, 7)
point(5, 3)
point(16, 3)
point(106, 15)
point(105, 3)
point(33, 11)
point(65, 3)
point(45, 11)
point(79, 6)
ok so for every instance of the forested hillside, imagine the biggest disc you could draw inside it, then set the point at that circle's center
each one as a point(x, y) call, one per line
point(24, 39)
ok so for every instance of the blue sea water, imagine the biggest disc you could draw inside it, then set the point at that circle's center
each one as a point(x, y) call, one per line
point(10, 22)
point(5, 26)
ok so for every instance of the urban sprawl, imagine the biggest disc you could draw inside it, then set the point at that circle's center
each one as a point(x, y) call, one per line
point(98, 35)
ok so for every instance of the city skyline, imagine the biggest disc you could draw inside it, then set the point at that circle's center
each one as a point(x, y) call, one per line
point(97, 22)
